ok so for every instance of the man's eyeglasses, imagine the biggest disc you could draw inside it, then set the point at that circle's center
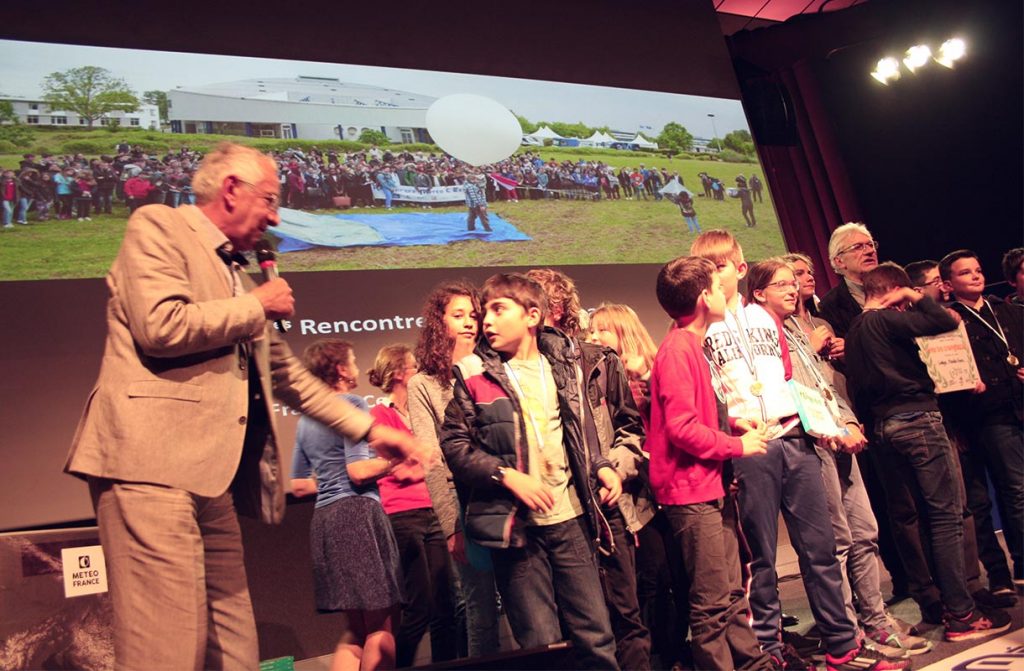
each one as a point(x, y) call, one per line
point(272, 199)
point(783, 284)
point(859, 247)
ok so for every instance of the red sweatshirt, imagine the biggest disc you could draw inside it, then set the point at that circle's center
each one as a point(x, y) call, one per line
point(397, 496)
point(686, 447)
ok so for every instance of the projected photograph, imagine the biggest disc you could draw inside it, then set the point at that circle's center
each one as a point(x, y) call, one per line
point(379, 168)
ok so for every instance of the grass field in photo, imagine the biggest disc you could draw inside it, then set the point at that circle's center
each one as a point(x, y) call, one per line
point(563, 232)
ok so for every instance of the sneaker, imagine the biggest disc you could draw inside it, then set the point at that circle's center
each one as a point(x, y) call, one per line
point(988, 599)
point(794, 661)
point(1003, 590)
point(895, 643)
point(976, 624)
point(863, 658)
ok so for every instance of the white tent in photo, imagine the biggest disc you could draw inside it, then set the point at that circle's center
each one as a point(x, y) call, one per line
point(641, 141)
point(598, 139)
point(545, 133)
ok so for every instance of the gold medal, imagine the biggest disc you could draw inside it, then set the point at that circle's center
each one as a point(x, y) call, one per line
point(757, 388)
point(1012, 359)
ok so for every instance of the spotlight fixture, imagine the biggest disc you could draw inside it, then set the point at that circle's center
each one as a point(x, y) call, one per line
point(917, 56)
point(888, 69)
point(951, 51)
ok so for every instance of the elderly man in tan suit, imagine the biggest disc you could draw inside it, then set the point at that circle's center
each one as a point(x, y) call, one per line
point(179, 429)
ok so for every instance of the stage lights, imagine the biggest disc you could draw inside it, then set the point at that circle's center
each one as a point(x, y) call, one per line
point(888, 69)
point(916, 57)
point(951, 51)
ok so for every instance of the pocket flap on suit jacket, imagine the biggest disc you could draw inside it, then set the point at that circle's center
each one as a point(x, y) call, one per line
point(165, 389)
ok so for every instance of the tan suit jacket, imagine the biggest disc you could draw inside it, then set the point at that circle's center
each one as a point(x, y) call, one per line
point(171, 402)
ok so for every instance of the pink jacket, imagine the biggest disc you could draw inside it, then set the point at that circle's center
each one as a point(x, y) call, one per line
point(687, 448)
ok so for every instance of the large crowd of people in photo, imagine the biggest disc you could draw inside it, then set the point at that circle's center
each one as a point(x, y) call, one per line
point(557, 466)
point(560, 431)
point(76, 187)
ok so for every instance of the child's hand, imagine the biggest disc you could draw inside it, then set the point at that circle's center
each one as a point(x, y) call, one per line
point(532, 493)
point(854, 440)
point(754, 442)
point(611, 486)
point(819, 338)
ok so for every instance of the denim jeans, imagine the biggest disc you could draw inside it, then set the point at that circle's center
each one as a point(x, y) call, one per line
point(427, 584)
point(919, 439)
point(556, 573)
point(721, 635)
point(24, 205)
point(856, 532)
point(8, 212)
point(102, 201)
point(995, 448)
point(787, 479)
point(477, 602)
point(618, 579)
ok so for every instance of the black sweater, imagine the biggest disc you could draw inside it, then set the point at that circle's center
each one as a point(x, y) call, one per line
point(884, 371)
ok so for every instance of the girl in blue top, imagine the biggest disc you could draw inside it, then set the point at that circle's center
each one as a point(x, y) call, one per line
point(355, 557)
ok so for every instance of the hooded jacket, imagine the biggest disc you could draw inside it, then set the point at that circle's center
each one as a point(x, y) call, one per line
point(485, 429)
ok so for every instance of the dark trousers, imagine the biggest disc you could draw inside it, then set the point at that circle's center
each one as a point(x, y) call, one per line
point(888, 546)
point(788, 479)
point(471, 217)
point(903, 501)
point(663, 589)
point(427, 584)
point(918, 439)
point(554, 575)
point(618, 579)
point(721, 635)
point(995, 449)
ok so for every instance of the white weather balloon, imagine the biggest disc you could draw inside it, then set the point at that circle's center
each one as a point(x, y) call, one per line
point(474, 129)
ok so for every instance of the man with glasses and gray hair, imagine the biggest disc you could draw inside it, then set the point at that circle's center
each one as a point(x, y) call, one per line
point(179, 432)
point(853, 252)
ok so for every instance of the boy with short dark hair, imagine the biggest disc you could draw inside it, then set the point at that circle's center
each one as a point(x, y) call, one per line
point(1013, 271)
point(889, 381)
point(924, 277)
point(990, 421)
point(688, 452)
point(513, 438)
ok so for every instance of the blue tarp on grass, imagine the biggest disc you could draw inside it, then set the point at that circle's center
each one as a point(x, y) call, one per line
point(302, 230)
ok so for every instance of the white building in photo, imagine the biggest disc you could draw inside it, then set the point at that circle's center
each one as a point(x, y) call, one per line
point(308, 108)
point(37, 112)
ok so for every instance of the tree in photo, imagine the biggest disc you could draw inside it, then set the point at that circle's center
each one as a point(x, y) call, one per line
point(11, 128)
point(371, 136)
point(88, 91)
point(527, 125)
point(739, 141)
point(158, 98)
point(674, 136)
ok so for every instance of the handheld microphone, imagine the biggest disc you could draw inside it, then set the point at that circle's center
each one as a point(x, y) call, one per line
point(268, 264)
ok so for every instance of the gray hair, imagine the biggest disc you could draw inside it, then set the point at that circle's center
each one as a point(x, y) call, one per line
point(793, 257)
point(229, 159)
point(840, 237)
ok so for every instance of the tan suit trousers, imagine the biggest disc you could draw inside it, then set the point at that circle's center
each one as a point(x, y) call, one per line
point(177, 578)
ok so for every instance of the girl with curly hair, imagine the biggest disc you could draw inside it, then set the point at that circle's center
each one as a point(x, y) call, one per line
point(451, 325)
